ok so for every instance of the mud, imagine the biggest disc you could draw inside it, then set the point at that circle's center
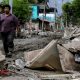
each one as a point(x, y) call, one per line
point(28, 44)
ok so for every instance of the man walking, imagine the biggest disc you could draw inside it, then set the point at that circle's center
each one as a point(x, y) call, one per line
point(7, 28)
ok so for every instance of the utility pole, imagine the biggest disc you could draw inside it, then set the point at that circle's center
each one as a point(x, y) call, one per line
point(11, 4)
point(62, 24)
point(55, 13)
point(44, 15)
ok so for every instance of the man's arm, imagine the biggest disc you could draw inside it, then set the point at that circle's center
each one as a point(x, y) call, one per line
point(15, 21)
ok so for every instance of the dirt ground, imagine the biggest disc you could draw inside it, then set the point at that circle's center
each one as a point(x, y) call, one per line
point(27, 44)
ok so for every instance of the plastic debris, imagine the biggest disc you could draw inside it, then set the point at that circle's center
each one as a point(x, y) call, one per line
point(19, 63)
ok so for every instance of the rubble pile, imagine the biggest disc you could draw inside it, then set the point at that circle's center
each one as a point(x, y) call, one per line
point(71, 46)
point(57, 56)
point(61, 54)
point(47, 56)
point(26, 34)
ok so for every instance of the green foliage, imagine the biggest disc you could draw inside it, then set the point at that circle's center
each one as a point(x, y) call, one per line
point(4, 2)
point(21, 10)
point(76, 4)
point(66, 8)
point(72, 12)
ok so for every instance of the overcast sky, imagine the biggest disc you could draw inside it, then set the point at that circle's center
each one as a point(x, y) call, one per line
point(58, 4)
point(0, 0)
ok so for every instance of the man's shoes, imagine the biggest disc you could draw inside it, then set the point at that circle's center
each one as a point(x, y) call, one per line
point(9, 55)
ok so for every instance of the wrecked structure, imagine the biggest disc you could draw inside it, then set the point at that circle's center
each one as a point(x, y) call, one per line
point(57, 55)
point(45, 57)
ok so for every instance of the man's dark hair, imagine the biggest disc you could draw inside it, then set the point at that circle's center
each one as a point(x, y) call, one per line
point(7, 6)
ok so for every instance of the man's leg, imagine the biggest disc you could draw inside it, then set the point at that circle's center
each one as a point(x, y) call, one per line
point(5, 43)
point(11, 36)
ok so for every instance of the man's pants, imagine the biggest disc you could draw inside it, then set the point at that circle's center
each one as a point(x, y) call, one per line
point(7, 38)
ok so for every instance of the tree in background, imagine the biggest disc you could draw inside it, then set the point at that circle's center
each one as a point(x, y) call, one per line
point(76, 4)
point(71, 12)
point(68, 13)
point(20, 9)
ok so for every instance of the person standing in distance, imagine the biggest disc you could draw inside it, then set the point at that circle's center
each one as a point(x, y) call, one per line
point(9, 23)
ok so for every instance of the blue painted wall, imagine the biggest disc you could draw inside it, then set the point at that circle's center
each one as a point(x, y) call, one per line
point(34, 12)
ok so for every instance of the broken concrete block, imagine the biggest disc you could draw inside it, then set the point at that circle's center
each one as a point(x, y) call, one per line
point(76, 35)
point(49, 55)
point(73, 32)
point(29, 56)
point(68, 33)
point(74, 44)
point(78, 31)
point(67, 60)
